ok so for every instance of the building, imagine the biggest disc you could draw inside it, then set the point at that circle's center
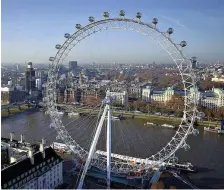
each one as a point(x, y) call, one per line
point(216, 79)
point(5, 160)
point(72, 65)
point(121, 97)
point(11, 95)
point(213, 99)
point(146, 94)
point(37, 170)
point(30, 77)
point(39, 83)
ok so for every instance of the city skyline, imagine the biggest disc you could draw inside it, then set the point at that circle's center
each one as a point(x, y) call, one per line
point(31, 29)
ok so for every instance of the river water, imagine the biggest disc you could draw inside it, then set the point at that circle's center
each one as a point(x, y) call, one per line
point(129, 137)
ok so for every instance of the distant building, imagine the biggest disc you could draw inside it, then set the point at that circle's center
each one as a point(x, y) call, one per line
point(146, 94)
point(212, 100)
point(72, 65)
point(11, 95)
point(216, 79)
point(30, 77)
point(39, 83)
point(121, 97)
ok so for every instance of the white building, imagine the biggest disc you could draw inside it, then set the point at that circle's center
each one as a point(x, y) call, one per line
point(216, 79)
point(39, 83)
point(121, 97)
point(214, 99)
point(40, 170)
point(164, 97)
point(146, 94)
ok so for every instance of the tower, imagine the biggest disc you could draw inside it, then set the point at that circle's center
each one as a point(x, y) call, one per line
point(30, 77)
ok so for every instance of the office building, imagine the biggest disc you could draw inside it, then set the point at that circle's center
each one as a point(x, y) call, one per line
point(30, 78)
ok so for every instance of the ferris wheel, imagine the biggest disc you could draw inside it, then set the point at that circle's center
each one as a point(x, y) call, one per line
point(109, 162)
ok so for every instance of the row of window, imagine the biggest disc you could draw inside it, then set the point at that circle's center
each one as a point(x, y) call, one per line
point(30, 174)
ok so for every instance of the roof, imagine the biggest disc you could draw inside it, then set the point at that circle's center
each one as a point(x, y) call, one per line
point(16, 170)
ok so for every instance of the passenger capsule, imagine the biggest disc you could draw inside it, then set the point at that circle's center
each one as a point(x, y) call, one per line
point(67, 35)
point(91, 19)
point(78, 26)
point(195, 132)
point(106, 14)
point(183, 43)
point(155, 21)
point(175, 159)
point(186, 147)
point(51, 59)
point(58, 46)
point(122, 13)
point(170, 31)
point(138, 15)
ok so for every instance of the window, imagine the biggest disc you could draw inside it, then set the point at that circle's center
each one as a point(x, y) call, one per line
point(37, 167)
point(18, 178)
point(22, 176)
point(33, 170)
point(5, 185)
point(31, 175)
point(20, 183)
point(41, 165)
point(10, 183)
point(26, 173)
point(14, 180)
point(30, 171)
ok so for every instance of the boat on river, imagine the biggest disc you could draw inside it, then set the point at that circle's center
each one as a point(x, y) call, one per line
point(185, 167)
point(214, 130)
point(73, 114)
point(113, 118)
point(218, 130)
point(148, 123)
point(168, 126)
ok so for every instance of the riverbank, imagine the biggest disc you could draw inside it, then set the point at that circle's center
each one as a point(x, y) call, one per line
point(168, 120)
point(14, 110)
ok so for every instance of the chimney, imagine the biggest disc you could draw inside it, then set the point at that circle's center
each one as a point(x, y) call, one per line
point(42, 148)
point(21, 138)
point(30, 155)
point(11, 136)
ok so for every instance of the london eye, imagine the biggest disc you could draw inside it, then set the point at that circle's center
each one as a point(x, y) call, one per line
point(108, 161)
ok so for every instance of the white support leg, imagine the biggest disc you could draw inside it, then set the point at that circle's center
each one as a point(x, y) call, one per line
point(92, 148)
point(108, 146)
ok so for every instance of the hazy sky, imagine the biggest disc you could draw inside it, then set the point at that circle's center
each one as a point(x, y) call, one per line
point(31, 28)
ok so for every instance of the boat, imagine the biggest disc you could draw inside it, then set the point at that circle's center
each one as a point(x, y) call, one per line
point(219, 130)
point(148, 123)
point(113, 118)
point(73, 114)
point(60, 113)
point(185, 167)
point(168, 126)
point(214, 130)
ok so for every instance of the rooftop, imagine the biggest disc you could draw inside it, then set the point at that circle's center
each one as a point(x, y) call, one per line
point(13, 173)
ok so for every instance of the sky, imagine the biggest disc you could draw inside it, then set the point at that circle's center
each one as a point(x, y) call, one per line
point(31, 29)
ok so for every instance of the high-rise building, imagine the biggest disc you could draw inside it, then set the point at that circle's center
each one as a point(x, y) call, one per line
point(30, 77)
point(72, 65)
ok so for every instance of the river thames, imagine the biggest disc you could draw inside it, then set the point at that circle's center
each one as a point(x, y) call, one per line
point(129, 137)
